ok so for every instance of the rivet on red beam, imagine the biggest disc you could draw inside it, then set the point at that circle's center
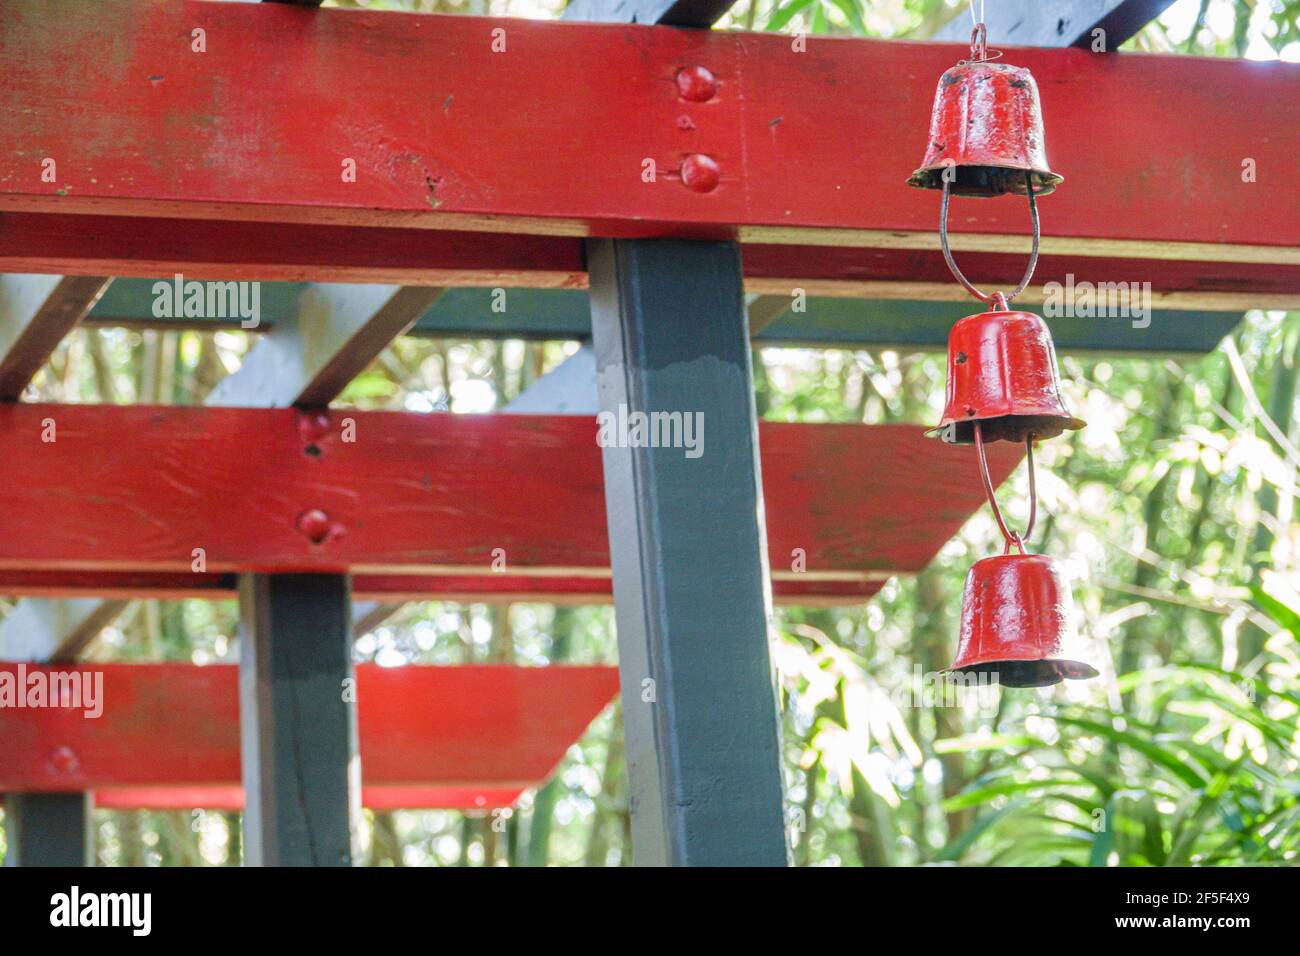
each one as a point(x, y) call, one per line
point(700, 173)
point(313, 426)
point(696, 84)
point(64, 761)
point(318, 527)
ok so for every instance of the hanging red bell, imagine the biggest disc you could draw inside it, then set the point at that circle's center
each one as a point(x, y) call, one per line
point(986, 139)
point(987, 126)
point(1017, 623)
point(1017, 614)
point(1002, 373)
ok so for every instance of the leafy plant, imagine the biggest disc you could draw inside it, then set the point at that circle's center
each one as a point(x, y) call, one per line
point(1212, 782)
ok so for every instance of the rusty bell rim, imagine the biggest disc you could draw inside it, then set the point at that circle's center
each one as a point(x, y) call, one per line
point(931, 177)
point(1068, 423)
point(1039, 671)
point(1011, 659)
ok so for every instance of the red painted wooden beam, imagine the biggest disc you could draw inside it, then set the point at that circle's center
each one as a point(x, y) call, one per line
point(480, 729)
point(140, 488)
point(149, 247)
point(923, 275)
point(392, 588)
point(261, 126)
point(231, 797)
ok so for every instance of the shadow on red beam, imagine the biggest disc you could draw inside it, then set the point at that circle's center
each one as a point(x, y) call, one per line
point(921, 274)
point(147, 248)
point(788, 588)
point(469, 729)
point(155, 489)
point(221, 250)
point(376, 798)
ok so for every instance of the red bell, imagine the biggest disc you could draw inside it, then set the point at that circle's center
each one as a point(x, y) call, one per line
point(1002, 374)
point(1017, 623)
point(1017, 615)
point(988, 126)
point(986, 139)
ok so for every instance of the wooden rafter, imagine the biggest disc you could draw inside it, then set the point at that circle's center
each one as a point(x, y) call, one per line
point(448, 165)
point(327, 337)
point(230, 797)
point(337, 332)
point(818, 322)
point(432, 494)
point(147, 248)
point(469, 726)
point(64, 638)
point(1060, 23)
point(36, 312)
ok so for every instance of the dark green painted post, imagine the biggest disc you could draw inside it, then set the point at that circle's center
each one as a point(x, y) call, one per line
point(686, 535)
point(49, 829)
point(298, 727)
point(689, 556)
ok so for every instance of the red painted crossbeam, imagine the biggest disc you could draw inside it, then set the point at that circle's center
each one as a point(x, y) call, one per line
point(150, 247)
point(394, 588)
point(467, 731)
point(515, 126)
point(231, 797)
point(95, 488)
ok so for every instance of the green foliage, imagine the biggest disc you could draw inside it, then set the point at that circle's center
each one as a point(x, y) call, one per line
point(1174, 510)
point(1105, 790)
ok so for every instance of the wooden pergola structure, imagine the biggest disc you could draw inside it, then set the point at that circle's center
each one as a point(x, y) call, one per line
point(385, 174)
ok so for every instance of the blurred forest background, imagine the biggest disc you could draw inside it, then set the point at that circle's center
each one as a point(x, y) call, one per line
point(1174, 511)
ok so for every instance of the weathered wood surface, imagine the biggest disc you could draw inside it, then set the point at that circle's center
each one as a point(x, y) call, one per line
point(822, 322)
point(475, 727)
point(433, 151)
point(36, 312)
point(433, 494)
